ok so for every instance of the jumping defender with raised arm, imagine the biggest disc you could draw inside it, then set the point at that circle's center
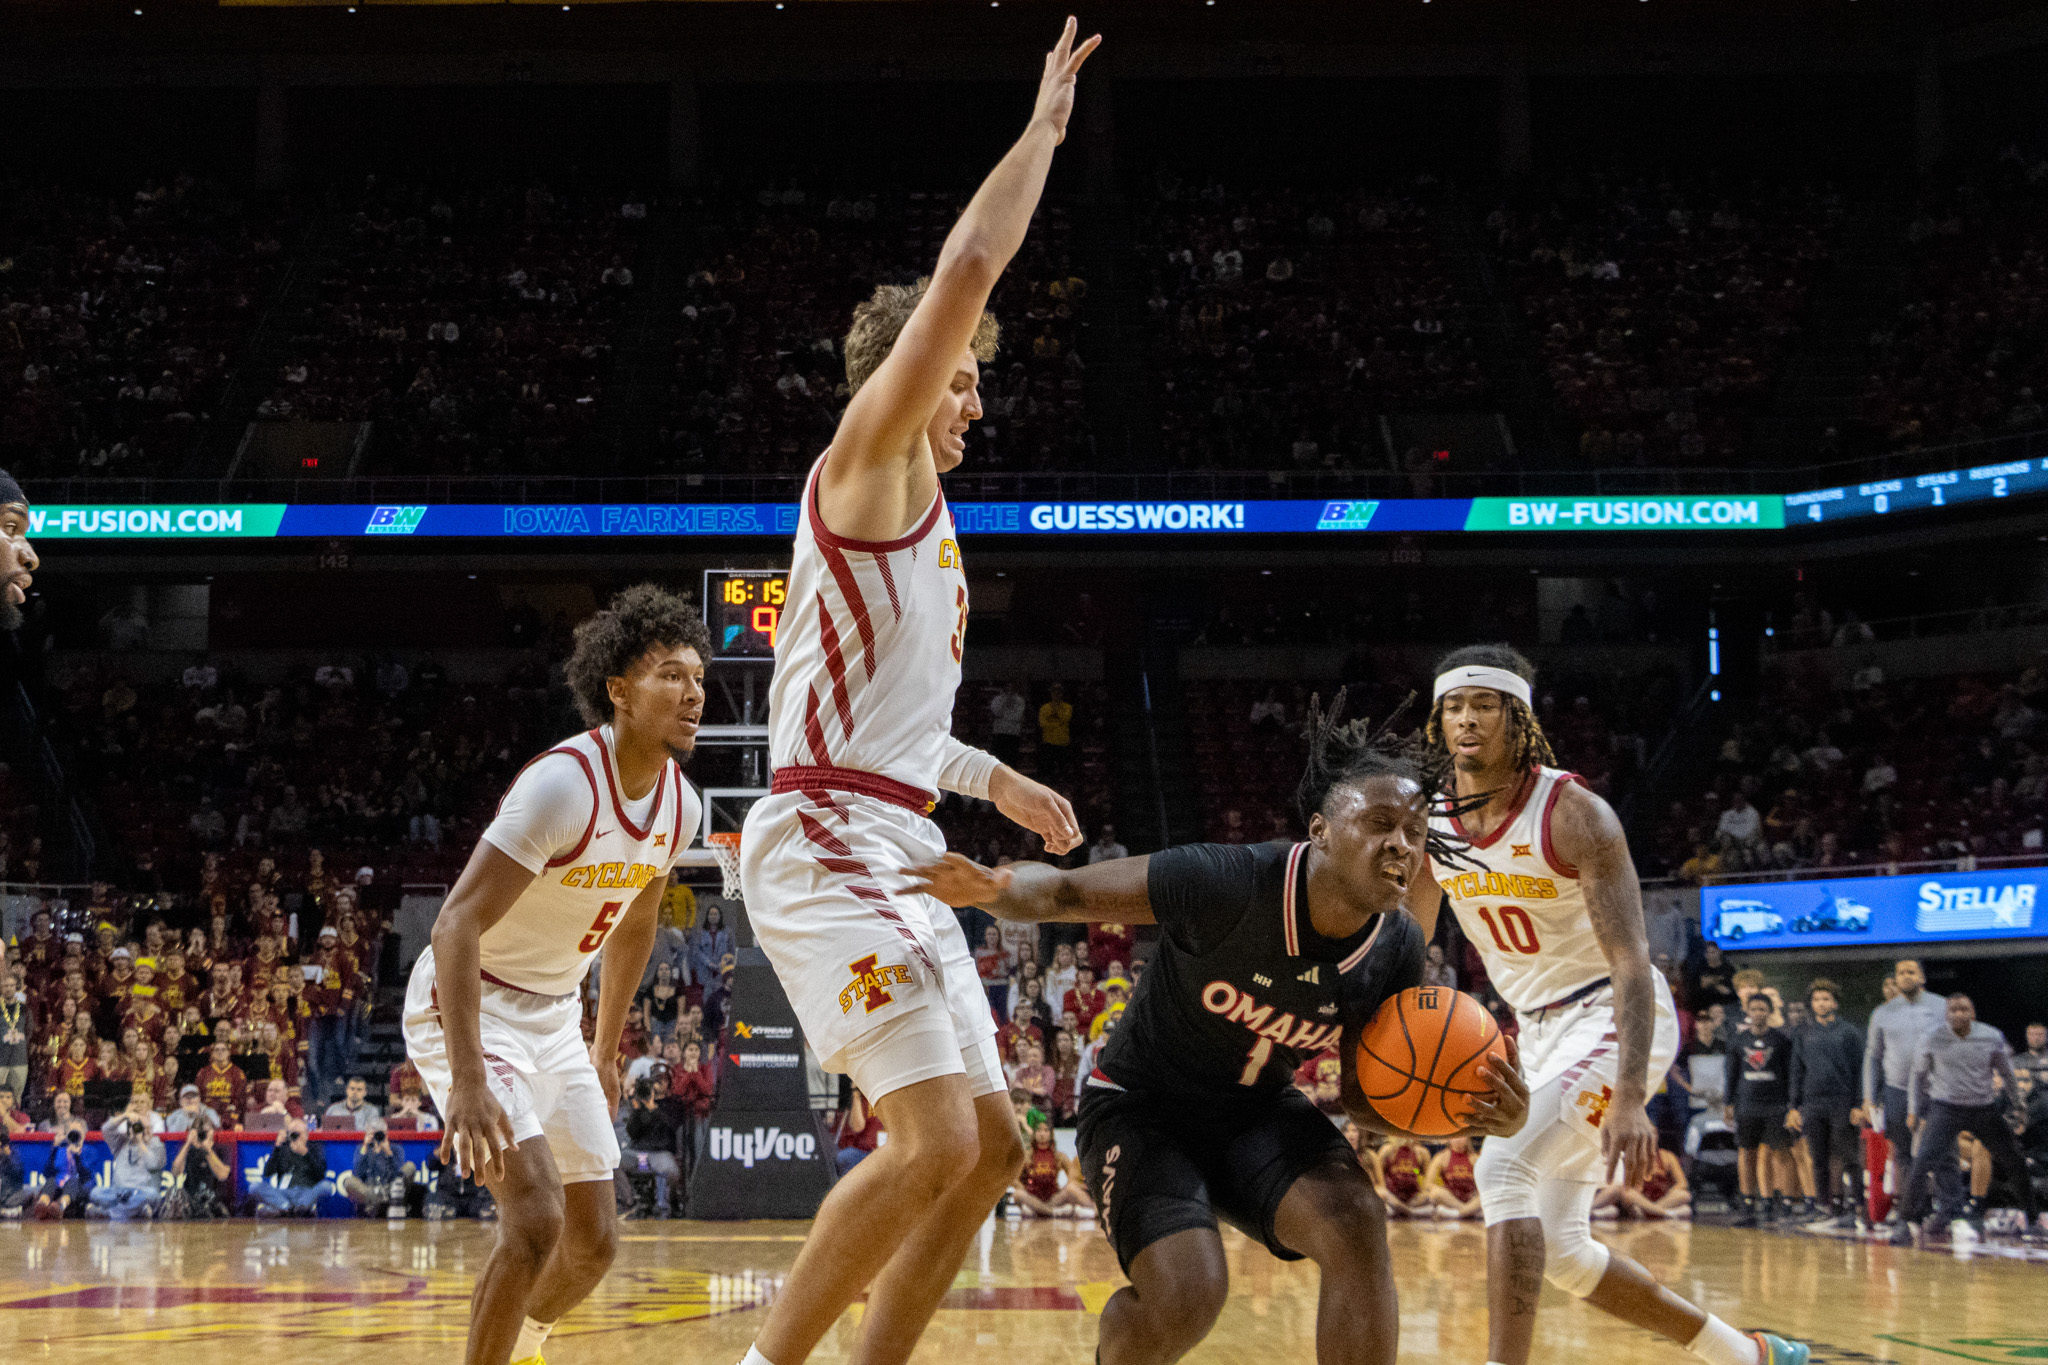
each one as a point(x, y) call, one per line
point(867, 660)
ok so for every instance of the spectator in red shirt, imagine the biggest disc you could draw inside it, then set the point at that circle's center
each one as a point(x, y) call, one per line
point(222, 1085)
point(1109, 943)
point(693, 1085)
point(993, 963)
point(1086, 1000)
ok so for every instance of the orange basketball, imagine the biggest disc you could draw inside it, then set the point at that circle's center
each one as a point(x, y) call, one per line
point(1419, 1058)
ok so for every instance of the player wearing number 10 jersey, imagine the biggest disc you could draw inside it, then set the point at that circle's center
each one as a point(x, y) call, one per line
point(1545, 889)
point(574, 861)
point(1267, 955)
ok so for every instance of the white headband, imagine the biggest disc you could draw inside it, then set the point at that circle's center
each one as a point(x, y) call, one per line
point(1499, 679)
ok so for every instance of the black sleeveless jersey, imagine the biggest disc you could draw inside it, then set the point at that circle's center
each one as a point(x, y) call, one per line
point(1243, 988)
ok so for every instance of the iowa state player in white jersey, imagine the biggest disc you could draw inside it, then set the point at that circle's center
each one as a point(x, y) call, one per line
point(574, 861)
point(867, 659)
point(1548, 893)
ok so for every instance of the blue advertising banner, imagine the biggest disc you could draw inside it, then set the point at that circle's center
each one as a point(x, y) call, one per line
point(245, 1154)
point(1940, 907)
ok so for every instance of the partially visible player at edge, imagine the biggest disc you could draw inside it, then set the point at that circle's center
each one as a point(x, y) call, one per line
point(1556, 912)
point(1268, 953)
point(867, 660)
point(574, 861)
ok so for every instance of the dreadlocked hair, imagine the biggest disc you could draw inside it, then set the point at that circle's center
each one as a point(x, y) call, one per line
point(1529, 745)
point(1345, 753)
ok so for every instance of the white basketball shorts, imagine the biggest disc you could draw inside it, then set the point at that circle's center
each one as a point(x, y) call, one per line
point(880, 977)
point(1574, 1050)
point(538, 1065)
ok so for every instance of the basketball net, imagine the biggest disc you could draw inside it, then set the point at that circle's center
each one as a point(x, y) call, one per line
point(725, 847)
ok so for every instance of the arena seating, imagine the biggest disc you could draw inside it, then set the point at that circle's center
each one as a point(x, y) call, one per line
point(1965, 357)
point(121, 316)
point(1904, 771)
point(475, 329)
point(1282, 322)
point(1663, 307)
point(759, 372)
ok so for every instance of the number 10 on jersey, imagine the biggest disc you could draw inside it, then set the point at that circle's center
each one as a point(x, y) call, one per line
point(1513, 931)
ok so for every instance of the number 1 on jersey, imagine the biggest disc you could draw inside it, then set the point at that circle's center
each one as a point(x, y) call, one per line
point(593, 938)
point(1255, 1061)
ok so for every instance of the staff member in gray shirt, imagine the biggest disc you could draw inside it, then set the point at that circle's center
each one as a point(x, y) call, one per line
point(1896, 1028)
point(1953, 1090)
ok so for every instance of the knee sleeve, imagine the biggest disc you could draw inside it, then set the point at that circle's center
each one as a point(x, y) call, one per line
point(1573, 1261)
point(1507, 1183)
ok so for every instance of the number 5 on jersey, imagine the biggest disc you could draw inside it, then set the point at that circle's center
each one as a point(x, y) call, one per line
point(593, 938)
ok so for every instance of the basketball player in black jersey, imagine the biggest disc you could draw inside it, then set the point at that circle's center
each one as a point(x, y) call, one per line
point(1268, 954)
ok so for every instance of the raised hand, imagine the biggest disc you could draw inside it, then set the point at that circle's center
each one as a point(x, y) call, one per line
point(1062, 71)
point(959, 881)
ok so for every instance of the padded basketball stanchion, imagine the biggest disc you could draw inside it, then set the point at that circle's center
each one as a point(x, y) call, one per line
point(763, 1152)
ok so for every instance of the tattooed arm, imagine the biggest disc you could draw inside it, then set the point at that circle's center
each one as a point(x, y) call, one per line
point(1588, 836)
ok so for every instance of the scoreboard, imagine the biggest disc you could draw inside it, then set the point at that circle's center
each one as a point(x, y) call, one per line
point(743, 608)
point(1916, 492)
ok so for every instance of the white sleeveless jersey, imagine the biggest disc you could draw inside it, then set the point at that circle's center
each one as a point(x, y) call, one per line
point(1522, 905)
point(867, 653)
point(546, 942)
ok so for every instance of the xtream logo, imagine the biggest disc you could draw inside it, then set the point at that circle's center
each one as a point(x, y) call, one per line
point(763, 1144)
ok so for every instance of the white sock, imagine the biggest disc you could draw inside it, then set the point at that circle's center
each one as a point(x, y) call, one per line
point(1720, 1344)
point(532, 1336)
point(754, 1357)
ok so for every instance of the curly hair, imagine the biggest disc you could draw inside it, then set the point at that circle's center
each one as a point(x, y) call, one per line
point(1350, 753)
point(642, 617)
point(879, 321)
point(1525, 733)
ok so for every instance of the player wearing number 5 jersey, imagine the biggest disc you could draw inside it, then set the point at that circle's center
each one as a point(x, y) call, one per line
point(1546, 890)
point(574, 862)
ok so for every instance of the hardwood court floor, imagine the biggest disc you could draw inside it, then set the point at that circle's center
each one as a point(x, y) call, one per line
point(242, 1293)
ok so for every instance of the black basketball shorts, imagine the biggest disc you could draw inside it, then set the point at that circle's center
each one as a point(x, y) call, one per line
point(1158, 1165)
point(1762, 1128)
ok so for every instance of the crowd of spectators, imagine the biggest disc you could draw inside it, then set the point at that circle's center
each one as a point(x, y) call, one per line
point(475, 329)
point(1966, 357)
point(1887, 771)
point(121, 316)
point(1664, 306)
point(350, 759)
point(1057, 732)
point(760, 376)
point(1283, 321)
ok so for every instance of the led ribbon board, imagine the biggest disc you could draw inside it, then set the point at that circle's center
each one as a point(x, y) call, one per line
point(1935, 908)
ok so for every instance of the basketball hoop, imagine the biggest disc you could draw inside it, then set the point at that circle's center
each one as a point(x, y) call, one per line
point(725, 846)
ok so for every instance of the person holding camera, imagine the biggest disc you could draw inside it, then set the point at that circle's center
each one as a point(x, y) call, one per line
point(69, 1177)
point(202, 1181)
point(135, 1165)
point(380, 1178)
point(650, 1155)
point(294, 1176)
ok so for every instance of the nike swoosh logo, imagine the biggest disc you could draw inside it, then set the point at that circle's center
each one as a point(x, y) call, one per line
point(600, 834)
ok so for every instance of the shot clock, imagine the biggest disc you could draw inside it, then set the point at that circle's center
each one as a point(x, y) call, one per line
point(743, 608)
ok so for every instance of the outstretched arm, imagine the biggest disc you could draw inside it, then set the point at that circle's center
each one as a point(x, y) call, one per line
point(1034, 893)
point(882, 422)
point(1588, 835)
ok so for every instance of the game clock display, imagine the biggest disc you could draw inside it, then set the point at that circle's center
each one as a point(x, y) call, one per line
point(743, 608)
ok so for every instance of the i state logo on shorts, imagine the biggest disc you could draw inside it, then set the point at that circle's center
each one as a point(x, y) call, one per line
point(871, 981)
point(1595, 1105)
